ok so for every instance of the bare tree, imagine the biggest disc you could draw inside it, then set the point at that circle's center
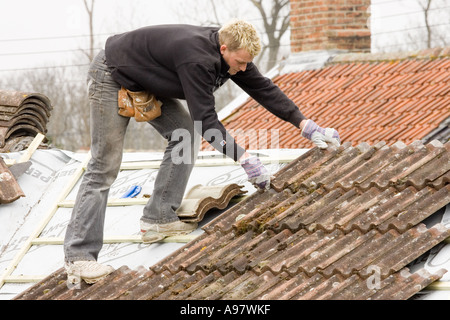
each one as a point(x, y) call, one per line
point(432, 30)
point(276, 22)
point(271, 17)
point(90, 12)
point(68, 127)
point(436, 14)
point(426, 14)
point(425, 26)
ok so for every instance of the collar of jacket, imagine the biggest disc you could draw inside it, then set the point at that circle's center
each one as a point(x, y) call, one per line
point(224, 67)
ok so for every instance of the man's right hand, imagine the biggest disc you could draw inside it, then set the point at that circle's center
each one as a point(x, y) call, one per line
point(321, 137)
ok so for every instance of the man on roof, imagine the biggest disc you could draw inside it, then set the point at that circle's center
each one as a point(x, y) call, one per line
point(167, 63)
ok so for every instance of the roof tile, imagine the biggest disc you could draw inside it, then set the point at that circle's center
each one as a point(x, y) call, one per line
point(200, 199)
point(10, 190)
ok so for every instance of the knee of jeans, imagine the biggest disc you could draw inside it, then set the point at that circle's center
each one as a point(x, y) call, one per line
point(107, 170)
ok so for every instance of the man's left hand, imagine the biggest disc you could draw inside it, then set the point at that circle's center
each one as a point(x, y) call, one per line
point(257, 174)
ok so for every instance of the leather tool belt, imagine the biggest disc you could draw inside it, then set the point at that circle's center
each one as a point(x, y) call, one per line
point(141, 105)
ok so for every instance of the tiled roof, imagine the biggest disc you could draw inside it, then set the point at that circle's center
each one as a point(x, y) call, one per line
point(341, 223)
point(401, 98)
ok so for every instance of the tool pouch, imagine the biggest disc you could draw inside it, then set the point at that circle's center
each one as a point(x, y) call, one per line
point(143, 106)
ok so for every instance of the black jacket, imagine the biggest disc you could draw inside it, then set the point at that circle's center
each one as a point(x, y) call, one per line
point(184, 62)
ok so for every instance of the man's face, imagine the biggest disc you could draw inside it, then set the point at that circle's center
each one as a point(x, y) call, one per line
point(237, 60)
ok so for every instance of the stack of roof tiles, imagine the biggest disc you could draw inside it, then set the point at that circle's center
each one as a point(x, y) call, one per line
point(341, 223)
point(366, 97)
point(22, 114)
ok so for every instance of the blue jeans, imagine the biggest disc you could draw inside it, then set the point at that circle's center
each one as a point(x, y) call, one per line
point(84, 235)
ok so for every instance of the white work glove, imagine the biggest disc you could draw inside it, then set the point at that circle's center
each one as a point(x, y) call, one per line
point(321, 137)
point(256, 172)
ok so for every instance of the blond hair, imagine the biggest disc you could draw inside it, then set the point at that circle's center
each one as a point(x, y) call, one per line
point(239, 34)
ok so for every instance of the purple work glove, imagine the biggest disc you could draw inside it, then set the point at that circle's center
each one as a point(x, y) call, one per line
point(256, 172)
point(321, 137)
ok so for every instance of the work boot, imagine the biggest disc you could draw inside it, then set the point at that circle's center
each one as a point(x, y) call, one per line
point(90, 271)
point(153, 232)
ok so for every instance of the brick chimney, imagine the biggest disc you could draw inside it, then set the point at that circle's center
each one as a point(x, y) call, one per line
point(330, 25)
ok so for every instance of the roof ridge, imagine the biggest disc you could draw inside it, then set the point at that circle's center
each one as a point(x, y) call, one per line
point(422, 54)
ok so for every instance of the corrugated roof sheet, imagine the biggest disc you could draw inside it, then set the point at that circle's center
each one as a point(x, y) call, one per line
point(341, 223)
point(366, 101)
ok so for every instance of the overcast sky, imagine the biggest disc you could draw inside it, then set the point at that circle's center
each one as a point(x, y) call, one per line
point(56, 27)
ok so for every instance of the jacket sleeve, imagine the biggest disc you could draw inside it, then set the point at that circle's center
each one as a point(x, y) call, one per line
point(198, 83)
point(269, 95)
